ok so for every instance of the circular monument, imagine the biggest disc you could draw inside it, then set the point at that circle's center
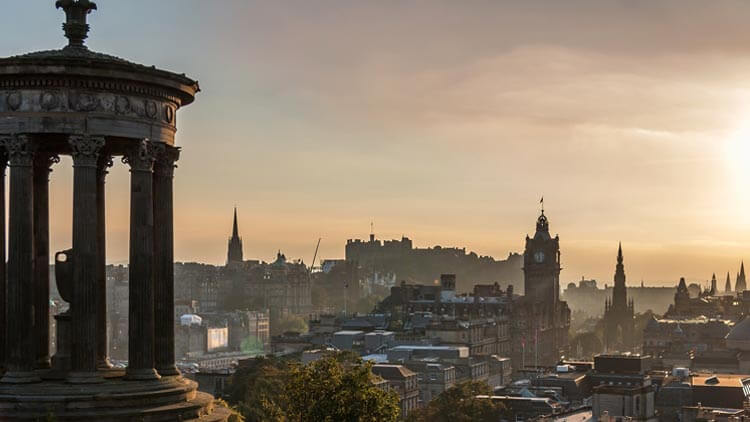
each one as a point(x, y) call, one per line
point(93, 107)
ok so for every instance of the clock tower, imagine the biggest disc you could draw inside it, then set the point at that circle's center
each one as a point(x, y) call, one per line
point(541, 264)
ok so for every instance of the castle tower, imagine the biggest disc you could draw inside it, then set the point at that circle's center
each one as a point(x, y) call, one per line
point(619, 321)
point(740, 285)
point(234, 251)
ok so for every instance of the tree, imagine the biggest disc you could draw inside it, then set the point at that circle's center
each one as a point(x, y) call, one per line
point(459, 404)
point(333, 389)
point(328, 390)
point(255, 383)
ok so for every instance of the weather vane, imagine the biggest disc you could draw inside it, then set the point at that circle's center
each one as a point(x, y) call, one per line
point(75, 26)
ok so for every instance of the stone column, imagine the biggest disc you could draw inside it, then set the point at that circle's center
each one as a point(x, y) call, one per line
point(85, 151)
point(141, 272)
point(3, 334)
point(102, 352)
point(42, 167)
point(164, 258)
point(20, 300)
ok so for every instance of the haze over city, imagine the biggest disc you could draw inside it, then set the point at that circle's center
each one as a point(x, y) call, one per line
point(444, 123)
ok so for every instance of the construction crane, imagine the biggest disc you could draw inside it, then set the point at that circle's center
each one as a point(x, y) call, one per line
point(315, 256)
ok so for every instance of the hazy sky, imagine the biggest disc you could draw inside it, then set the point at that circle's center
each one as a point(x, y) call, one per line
point(444, 121)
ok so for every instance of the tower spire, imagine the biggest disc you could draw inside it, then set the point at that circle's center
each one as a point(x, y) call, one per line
point(234, 249)
point(235, 230)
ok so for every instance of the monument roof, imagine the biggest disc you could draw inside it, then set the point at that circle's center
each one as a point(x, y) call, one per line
point(76, 59)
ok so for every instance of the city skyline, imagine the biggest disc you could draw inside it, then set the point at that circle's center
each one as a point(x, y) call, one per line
point(629, 119)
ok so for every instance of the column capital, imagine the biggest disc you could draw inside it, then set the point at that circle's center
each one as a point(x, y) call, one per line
point(165, 158)
point(104, 163)
point(20, 150)
point(46, 160)
point(141, 157)
point(86, 149)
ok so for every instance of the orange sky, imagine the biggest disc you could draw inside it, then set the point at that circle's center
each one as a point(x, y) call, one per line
point(445, 123)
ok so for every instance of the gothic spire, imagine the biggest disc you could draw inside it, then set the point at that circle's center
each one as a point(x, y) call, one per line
point(235, 231)
point(234, 250)
point(619, 253)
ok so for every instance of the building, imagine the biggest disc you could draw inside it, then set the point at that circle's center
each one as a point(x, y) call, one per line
point(622, 387)
point(541, 319)
point(619, 314)
point(399, 259)
point(234, 247)
point(433, 377)
point(402, 381)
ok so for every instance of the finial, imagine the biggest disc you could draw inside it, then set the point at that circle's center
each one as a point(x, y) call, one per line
point(75, 27)
point(541, 201)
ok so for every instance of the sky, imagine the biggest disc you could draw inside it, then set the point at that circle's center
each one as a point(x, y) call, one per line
point(443, 121)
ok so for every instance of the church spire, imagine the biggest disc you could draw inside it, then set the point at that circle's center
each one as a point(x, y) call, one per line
point(234, 250)
point(235, 231)
point(741, 286)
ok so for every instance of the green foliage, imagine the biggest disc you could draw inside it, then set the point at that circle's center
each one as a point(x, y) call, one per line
point(327, 390)
point(333, 389)
point(260, 381)
point(252, 345)
point(458, 404)
point(235, 415)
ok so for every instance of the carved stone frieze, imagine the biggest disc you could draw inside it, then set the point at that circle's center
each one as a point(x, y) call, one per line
point(75, 100)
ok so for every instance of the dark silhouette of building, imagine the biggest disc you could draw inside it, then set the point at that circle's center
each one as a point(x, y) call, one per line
point(541, 264)
point(425, 265)
point(740, 286)
point(234, 250)
point(728, 285)
point(619, 322)
point(541, 319)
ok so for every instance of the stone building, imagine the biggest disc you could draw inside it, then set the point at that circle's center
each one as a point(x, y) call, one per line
point(402, 381)
point(93, 107)
point(623, 388)
point(619, 314)
point(541, 319)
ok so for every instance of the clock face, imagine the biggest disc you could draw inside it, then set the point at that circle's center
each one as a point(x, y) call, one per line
point(539, 257)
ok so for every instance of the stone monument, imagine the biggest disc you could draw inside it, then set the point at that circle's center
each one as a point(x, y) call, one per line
point(93, 107)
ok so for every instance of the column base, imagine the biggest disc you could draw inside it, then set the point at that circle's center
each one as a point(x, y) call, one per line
point(18, 377)
point(141, 374)
point(168, 371)
point(103, 365)
point(84, 378)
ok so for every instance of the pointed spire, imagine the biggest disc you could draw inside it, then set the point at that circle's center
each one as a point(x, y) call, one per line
point(619, 253)
point(714, 289)
point(742, 269)
point(235, 230)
